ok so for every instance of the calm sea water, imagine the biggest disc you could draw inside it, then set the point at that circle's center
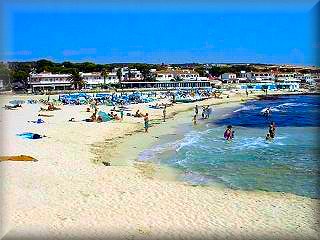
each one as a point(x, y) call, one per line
point(289, 163)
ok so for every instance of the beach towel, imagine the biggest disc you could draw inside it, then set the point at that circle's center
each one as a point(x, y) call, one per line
point(29, 135)
point(105, 117)
point(20, 158)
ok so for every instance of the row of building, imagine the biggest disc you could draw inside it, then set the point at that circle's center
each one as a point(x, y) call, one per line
point(167, 78)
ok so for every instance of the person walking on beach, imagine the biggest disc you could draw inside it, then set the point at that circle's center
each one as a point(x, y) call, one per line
point(164, 112)
point(196, 110)
point(146, 122)
point(247, 93)
point(121, 114)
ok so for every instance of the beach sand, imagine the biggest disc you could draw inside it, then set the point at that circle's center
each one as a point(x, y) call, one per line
point(69, 194)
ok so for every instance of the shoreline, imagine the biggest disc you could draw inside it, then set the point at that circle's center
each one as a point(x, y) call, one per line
point(69, 196)
point(130, 140)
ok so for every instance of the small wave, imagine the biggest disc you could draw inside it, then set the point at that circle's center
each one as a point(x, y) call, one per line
point(285, 105)
point(195, 178)
point(272, 109)
point(188, 140)
point(250, 143)
point(149, 154)
point(246, 108)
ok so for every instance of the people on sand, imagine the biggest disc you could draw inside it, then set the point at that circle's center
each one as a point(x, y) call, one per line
point(121, 114)
point(99, 119)
point(146, 122)
point(196, 110)
point(138, 114)
point(164, 112)
point(93, 118)
point(229, 133)
point(37, 136)
point(49, 108)
point(116, 117)
point(272, 130)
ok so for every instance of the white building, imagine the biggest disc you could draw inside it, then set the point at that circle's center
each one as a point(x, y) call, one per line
point(183, 74)
point(112, 78)
point(187, 74)
point(260, 76)
point(165, 75)
point(93, 79)
point(1, 84)
point(130, 74)
point(287, 81)
point(306, 78)
point(228, 77)
point(49, 81)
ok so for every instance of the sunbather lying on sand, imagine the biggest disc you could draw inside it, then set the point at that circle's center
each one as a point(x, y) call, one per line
point(93, 118)
point(138, 114)
point(13, 107)
point(50, 108)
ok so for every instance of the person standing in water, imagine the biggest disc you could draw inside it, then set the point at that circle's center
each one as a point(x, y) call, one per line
point(194, 119)
point(229, 133)
point(272, 130)
point(146, 122)
point(164, 112)
point(268, 137)
point(196, 110)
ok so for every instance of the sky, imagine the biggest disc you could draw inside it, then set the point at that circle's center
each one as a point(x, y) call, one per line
point(160, 31)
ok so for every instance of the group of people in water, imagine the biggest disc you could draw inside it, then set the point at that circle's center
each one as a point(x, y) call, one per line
point(229, 132)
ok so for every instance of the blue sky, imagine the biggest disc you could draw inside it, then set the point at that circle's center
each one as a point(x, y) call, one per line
point(162, 31)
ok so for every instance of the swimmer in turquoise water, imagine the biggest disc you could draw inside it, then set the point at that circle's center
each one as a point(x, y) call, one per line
point(229, 133)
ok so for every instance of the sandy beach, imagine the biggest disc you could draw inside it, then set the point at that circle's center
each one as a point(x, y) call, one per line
point(69, 194)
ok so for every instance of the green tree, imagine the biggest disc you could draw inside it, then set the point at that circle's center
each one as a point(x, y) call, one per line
point(119, 75)
point(77, 80)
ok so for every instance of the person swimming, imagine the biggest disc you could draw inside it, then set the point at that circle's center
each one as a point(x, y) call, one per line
point(267, 112)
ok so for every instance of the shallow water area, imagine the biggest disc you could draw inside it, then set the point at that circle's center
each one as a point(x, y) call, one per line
point(289, 163)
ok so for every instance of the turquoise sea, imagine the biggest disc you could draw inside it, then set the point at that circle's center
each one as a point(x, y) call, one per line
point(289, 163)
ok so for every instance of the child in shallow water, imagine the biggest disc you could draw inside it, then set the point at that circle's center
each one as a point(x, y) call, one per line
point(194, 119)
point(268, 137)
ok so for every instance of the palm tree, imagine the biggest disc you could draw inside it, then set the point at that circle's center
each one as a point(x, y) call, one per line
point(104, 73)
point(119, 75)
point(77, 80)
